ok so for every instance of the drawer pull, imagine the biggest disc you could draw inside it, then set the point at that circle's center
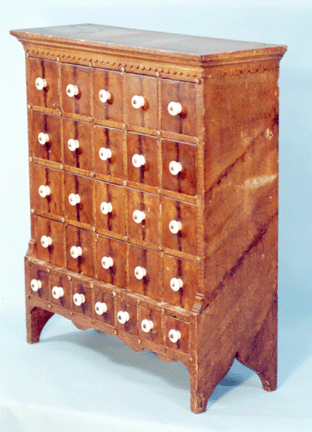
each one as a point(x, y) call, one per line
point(175, 167)
point(174, 335)
point(107, 262)
point(72, 90)
point(57, 292)
point(75, 251)
point(106, 207)
point(46, 241)
point(175, 226)
point(79, 299)
point(147, 325)
point(123, 317)
point(100, 308)
point(137, 101)
point(104, 95)
point(176, 284)
point(43, 138)
point(44, 191)
point(139, 272)
point(138, 216)
point(35, 285)
point(73, 144)
point(41, 83)
point(174, 108)
point(105, 153)
point(138, 160)
point(74, 199)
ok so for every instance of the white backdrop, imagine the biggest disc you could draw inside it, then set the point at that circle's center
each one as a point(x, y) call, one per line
point(88, 385)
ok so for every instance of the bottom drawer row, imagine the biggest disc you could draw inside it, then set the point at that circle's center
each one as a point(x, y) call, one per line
point(109, 308)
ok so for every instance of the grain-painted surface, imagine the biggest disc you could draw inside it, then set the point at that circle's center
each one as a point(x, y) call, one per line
point(226, 139)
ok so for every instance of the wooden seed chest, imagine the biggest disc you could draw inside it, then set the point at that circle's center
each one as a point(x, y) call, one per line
point(153, 162)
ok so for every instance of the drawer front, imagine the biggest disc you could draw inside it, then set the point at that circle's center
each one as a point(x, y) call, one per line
point(185, 94)
point(38, 283)
point(146, 87)
point(143, 216)
point(148, 260)
point(82, 299)
point(77, 144)
point(46, 139)
point(103, 307)
point(182, 213)
point(129, 322)
point(78, 198)
point(48, 201)
point(61, 297)
point(142, 159)
point(110, 207)
point(78, 77)
point(79, 261)
point(111, 261)
point(149, 324)
point(179, 167)
point(47, 72)
point(179, 279)
point(108, 148)
point(112, 82)
point(50, 241)
point(180, 340)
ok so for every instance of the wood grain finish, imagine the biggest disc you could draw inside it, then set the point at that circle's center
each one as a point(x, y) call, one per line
point(78, 76)
point(111, 139)
point(113, 83)
point(214, 282)
point(48, 97)
point(50, 125)
point(113, 221)
point(54, 253)
point(138, 85)
point(185, 154)
point(81, 132)
point(115, 249)
point(138, 144)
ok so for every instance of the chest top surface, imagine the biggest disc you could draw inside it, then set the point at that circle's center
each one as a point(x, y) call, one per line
point(148, 42)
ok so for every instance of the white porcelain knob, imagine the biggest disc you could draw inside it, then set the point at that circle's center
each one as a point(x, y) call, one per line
point(75, 251)
point(104, 95)
point(139, 272)
point(43, 138)
point(106, 207)
point(73, 144)
point(79, 299)
point(175, 226)
point(174, 335)
point(138, 160)
point(46, 241)
point(123, 317)
point(57, 292)
point(72, 90)
point(100, 308)
point(138, 101)
point(174, 108)
point(41, 83)
point(176, 284)
point(138, 216)
point(107, 262)
point(147, 325)
point(175, 167)
point(74, 199)
point(35, 284)
point(105, 153)
point(44, 191)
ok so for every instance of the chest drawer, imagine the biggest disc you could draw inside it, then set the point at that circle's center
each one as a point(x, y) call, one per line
point(75, 89)
point(46, 137)
point(42, 87)
point(77, 144)
point(107, 95)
